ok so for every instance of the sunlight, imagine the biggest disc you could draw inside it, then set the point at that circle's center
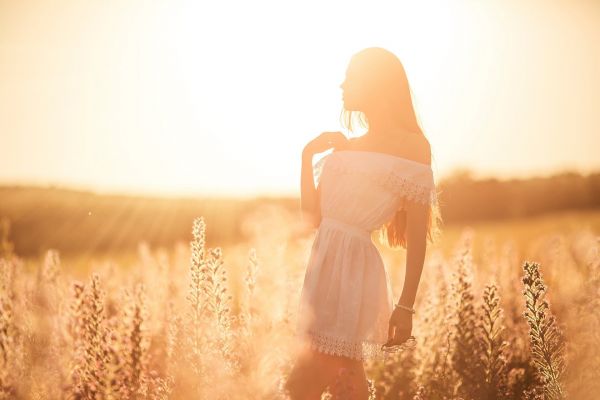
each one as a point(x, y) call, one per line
point(184, 98)
point(161, 236)
point(251, 92)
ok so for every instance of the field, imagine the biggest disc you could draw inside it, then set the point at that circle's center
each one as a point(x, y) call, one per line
point(505, 310)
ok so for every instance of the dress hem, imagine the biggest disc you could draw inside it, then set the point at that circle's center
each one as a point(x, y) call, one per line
point(359, 350)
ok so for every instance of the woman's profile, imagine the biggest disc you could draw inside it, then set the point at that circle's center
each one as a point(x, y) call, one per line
point(380, 181)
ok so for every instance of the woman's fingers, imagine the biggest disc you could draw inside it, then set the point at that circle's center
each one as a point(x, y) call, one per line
point(390, 332)
point(397, 335)
point(401, 336)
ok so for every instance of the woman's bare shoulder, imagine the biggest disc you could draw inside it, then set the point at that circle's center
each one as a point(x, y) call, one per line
point(421, 150)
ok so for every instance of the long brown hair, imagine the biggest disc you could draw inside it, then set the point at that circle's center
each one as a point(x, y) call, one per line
point(385, 81)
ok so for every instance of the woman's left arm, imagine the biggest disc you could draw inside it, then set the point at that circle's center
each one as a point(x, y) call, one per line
point(417, 218)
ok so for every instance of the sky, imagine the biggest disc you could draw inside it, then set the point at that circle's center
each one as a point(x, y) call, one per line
point(219, 98)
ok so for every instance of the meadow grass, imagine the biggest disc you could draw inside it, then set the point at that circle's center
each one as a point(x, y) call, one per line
point(503, 312)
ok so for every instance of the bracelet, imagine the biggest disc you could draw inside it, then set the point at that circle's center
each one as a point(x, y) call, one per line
point(412, 310)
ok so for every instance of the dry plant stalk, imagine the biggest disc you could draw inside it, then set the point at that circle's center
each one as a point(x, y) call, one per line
point(547, 342)
point(108, 347)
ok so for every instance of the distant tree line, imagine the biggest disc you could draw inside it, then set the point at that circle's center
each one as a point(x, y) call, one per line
point(465, 199)
point(74, 221)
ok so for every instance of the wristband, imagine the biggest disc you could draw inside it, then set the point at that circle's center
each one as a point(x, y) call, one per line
point(412, 310)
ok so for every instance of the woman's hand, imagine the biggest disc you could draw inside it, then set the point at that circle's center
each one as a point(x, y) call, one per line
point(400, 327)
point(325, 141)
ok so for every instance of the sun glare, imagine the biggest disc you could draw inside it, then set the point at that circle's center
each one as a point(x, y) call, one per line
point(184, 97)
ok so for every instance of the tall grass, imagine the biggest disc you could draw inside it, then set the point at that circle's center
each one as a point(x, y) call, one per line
point(492, 346)
point(192, 325)
point(547, 342)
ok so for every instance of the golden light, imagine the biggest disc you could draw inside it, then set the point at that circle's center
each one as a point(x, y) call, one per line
point(185, 97)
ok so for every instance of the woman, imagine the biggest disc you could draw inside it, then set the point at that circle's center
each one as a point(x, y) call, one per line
point(380, 180)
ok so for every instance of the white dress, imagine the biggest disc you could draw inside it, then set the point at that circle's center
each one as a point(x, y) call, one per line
point(346, 299)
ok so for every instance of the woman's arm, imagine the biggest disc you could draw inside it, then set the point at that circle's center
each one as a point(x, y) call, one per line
point(417, 218)
point(417, 215)
point(309, 196)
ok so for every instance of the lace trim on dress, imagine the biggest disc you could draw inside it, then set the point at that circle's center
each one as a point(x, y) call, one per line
point(403, 186)
point(395, 179)
point(362, 350)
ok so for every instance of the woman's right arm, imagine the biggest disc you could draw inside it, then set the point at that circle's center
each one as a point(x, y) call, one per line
point(309, 195)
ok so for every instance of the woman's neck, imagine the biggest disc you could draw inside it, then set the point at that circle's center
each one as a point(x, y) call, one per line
point(386, 134)
point(382, 129)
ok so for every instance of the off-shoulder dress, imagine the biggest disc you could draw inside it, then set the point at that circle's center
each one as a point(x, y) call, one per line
point(346, 299)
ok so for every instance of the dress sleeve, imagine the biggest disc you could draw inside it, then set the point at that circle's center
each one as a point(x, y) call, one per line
point(418, 187)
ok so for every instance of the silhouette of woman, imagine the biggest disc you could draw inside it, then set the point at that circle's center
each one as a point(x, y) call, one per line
point(381, 181)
